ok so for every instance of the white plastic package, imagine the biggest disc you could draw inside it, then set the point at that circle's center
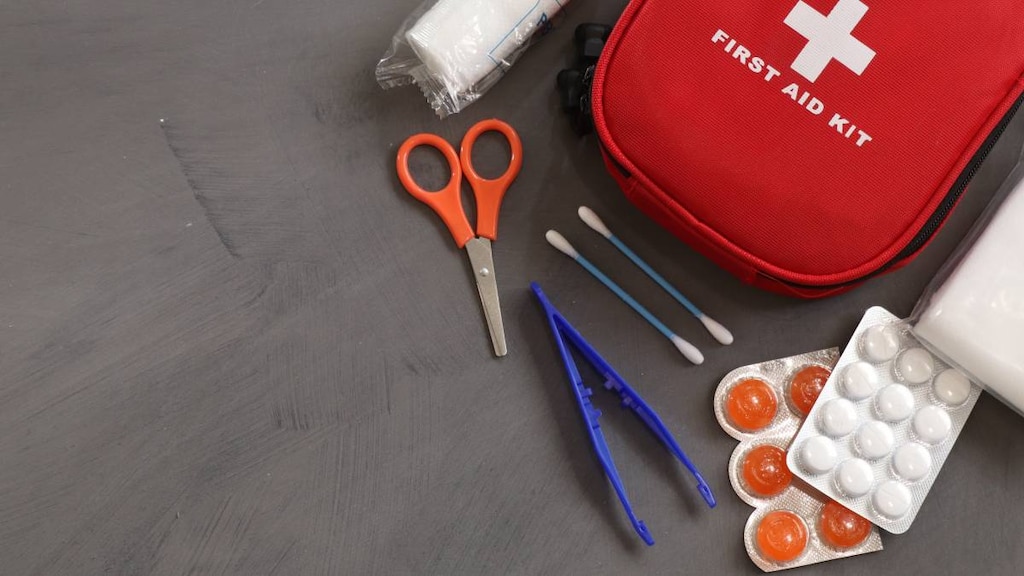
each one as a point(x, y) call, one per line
point(456, 50)
point(972, 315)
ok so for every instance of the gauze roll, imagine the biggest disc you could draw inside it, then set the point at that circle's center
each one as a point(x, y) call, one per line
point(462, 41)
point(976, 317)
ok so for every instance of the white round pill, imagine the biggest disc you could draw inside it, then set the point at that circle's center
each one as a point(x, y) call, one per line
point(859, 381)
point(951, 387)
point(892, 500)
point(880, 343)
point(932, 424)
point(817, 455)
point(912, 462)
point(915, 366)
point(838, 417)
point(854, 477)
point(894, 403)
point(874, 440)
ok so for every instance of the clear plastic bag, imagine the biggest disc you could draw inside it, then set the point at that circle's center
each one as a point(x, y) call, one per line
point(972, 314)
point(456, 50)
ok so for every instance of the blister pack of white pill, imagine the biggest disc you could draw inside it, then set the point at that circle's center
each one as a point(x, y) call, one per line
point(884, 424)
point(793, 525)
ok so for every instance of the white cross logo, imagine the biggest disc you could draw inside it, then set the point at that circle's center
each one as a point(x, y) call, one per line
point(829, 38)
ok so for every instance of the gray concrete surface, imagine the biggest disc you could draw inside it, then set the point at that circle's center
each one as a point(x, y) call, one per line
point(230, 344)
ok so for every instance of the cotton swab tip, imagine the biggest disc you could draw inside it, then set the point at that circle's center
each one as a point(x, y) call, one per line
point(590, 218)
point(688, 350)
point(717, 330)
point(561, 244)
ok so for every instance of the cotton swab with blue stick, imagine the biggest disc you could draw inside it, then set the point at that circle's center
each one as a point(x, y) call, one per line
point(685, 348)
point(717, 330)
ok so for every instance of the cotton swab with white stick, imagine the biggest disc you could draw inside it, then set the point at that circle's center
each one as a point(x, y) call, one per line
point(717, 330)
point(688, 350)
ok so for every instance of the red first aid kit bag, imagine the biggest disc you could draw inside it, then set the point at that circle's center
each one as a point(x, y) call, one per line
point(806, 145)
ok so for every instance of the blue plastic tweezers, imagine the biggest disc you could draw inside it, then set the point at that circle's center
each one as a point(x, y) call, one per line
point(563, 331)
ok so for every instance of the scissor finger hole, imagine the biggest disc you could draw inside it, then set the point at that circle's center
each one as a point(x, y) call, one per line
point(429, 168)
point(491, 155)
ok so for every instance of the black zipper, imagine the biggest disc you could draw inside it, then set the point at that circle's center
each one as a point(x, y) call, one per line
point(940, 214)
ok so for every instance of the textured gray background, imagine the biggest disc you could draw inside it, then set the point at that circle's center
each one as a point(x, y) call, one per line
point(230, 344)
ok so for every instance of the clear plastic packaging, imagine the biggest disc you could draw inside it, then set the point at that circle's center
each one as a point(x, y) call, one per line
point(792, 524)
point(884, 424)
point(972, 314)
point(456, 50)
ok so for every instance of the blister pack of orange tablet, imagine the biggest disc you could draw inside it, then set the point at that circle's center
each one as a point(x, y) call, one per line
point(793, 524)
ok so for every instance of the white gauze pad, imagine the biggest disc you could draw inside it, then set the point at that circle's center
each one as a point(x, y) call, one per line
point(462, 41)
point(976, 319)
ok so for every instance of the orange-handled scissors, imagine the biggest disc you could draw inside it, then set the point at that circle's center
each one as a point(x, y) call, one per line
point(447, 203)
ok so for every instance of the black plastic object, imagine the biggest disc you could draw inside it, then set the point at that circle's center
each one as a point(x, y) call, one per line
point(574, 83)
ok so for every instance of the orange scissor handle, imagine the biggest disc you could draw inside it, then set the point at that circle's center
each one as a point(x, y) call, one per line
point(447, 202)
point(489, 193)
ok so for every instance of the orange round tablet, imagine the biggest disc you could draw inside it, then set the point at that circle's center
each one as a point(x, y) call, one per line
point(751, 405)
point(806, 386)
point(765, 471)
point(842, 528)
point(781, 536)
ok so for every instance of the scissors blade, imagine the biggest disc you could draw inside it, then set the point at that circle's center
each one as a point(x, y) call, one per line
point(482, 260)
